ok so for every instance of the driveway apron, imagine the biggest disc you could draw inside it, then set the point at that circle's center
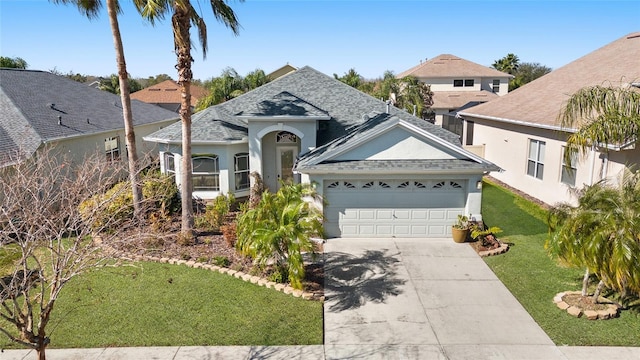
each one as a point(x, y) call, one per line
point(422, 299)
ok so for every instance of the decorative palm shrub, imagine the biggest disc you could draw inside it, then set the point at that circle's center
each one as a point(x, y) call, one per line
point(601, 234)
point(279, 229)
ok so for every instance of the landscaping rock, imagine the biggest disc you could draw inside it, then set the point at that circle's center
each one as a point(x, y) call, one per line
point(279, 287)
point(562, 305)
point(574, 311)
point(591, 314)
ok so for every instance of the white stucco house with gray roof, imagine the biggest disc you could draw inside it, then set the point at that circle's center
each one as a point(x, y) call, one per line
point(38, 108)
point(520, 131)
point(382, 171)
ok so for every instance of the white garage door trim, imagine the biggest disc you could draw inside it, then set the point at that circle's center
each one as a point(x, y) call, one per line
point(392, 208)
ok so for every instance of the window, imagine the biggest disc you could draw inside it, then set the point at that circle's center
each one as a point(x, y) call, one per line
point(169, 164)
point(496, 85)
point(535, 162)
point(112, 148)
point(206, 173)
point(463, 82)
point(568, 175)
point(241, 168)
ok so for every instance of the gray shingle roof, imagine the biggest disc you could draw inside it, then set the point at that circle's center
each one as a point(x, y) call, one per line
point(345, 105)
point(39, 106)
point(539, 102)
point(320, 159)
point(284, 104)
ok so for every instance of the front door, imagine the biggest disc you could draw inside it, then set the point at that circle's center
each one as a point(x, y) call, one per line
point(285, 157)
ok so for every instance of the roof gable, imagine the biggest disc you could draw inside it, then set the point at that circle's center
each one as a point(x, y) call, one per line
point(385, 137)
point(447, 65)
point(539, 102)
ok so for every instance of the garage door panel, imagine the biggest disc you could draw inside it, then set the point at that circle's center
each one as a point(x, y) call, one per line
point(392, 211)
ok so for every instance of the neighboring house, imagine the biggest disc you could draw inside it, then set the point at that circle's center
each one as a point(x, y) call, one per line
point(520, 131)
point(167, 95)
point(383, 171)
point(284, 70)
point(39, 108)
point(458, 83)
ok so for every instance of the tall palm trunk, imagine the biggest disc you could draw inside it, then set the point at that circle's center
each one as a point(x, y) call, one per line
point(181, 24)
point(132, 153)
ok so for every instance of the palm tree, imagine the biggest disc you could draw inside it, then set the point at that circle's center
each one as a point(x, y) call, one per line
point(414, 96)
point(91, 9)
point(508, 64)
point(279, 230)
point(603, 116)
point(255, 79)
point(183, 16)
point(601, 234)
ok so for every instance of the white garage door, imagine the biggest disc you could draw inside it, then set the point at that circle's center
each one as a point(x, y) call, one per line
point(406, 208)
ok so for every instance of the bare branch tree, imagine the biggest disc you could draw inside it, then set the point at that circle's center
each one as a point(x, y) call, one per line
point(49, 239)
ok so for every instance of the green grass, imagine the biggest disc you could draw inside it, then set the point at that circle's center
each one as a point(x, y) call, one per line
point(153, 304)
point(534, 278)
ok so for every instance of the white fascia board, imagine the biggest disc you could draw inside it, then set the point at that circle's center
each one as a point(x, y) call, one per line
point(392, 172)
point(178, 142)
point(518, 122)
point(282, 118)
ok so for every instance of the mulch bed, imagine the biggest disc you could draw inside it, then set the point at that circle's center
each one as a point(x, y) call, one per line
point(208, 248)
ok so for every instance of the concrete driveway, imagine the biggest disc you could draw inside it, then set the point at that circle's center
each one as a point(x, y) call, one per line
point(422, 299)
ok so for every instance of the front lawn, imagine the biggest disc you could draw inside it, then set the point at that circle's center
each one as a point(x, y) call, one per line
point(534, 278)
point(152, 304)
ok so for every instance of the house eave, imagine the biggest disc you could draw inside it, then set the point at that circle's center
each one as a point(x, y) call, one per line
point(517, 122)
point(281, 118)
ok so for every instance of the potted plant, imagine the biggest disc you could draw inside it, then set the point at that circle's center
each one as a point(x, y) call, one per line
point(460, 230)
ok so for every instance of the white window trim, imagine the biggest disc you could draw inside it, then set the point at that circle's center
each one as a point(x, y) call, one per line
point(573, 167)
point(169, 158)
point(113, 153)
point(537, 161)
point(238, 172)
point(215, 174)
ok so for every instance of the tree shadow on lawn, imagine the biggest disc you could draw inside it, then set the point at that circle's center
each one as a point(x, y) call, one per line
point(351, 281)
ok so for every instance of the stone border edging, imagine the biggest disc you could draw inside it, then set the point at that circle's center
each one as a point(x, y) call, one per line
point(287, 289)
point(609, 313)
point(503, 248)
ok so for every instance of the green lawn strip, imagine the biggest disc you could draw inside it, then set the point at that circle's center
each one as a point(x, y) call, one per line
point(534, 278)
point(152, 304)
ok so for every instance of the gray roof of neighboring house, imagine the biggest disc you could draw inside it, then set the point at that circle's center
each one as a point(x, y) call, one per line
point(320, 159)
point(32, 104)
point(321, 95)
point(539, 102)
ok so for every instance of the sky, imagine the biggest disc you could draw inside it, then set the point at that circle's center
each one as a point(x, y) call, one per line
point(370, 36)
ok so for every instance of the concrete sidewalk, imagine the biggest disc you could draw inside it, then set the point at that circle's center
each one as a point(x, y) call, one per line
point(396, 299)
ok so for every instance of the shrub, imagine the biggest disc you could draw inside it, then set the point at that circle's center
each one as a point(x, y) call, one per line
point(229, 233)
point(221, 261)
point(112, 208)
point(216, 213)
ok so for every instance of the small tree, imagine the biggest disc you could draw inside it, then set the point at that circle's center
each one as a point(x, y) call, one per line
point(51, 242)
point(601, 234)
point(279, 230)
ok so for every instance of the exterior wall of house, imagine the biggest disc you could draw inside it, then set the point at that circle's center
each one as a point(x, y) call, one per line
point(487, 84)
point(81, 146)
point(395, 144)
point(507, 145)
point(263, 147)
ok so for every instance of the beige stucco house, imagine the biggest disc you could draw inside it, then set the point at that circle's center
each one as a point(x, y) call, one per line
point(458, 83)
point(382, 171)
point(39, 109)
point(520, 131)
